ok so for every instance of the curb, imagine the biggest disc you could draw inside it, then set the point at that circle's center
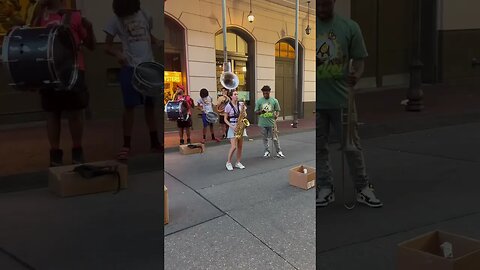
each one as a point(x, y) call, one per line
point(173, 149)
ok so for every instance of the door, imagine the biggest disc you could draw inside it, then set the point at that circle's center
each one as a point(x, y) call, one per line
point(284, 85)
point(387, 27)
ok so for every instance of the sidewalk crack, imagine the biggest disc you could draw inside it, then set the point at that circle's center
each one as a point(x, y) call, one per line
point(228, 215)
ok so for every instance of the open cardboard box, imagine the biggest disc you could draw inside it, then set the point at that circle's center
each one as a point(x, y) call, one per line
point(185, 150)
point(66, 183)
point(424, 253)
point(165, 205)
point(298, 178)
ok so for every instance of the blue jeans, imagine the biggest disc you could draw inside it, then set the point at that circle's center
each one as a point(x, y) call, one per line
point(325, 120)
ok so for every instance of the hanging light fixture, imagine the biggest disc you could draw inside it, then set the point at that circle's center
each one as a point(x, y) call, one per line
point(308, 29)
point(250, 17)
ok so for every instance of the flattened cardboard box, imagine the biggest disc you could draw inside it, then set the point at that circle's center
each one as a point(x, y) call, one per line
point(66, 183)
point(165, 205)
point(185, 150)
point(300, 179)
point(424, 253)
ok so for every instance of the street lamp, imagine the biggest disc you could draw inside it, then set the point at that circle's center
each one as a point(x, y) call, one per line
point(250, 17)
point(308, 30)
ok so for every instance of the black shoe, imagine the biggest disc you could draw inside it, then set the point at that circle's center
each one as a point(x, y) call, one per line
point(182, 141)
point(56, 157)
point(189, 141)
point(77, 156)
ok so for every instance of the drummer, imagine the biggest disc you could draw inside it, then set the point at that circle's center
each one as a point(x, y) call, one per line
point(205, 104)
point(133, 26)
point(72, 103)
point(184, 125)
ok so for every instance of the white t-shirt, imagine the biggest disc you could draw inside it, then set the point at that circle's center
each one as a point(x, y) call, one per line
point(134, 32)
point(206, 103)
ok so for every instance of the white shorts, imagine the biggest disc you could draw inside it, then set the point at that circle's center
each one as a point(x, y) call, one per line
point(231, 133)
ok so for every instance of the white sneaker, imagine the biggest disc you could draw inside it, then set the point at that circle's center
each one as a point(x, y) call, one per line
point(229, 166)
point(280, 155)
point(239, 165)
point(325, 196)
point(266, 155)
point(367, 196)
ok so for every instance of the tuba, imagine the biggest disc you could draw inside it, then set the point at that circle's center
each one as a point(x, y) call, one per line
point(228, 78)
point(242, 122)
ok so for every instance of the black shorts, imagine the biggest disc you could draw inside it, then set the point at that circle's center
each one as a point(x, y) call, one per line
point(221, 120)
point(185, 124)
point(69, 100)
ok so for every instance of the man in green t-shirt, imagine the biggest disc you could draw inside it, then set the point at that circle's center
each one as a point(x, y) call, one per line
point(268, 108)
point(338, 40)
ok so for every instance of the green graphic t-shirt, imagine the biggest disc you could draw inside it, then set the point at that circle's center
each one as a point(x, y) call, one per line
point(270, 105)
point(337, 42)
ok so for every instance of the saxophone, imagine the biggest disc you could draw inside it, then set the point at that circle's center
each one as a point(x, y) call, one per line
point(242, 122)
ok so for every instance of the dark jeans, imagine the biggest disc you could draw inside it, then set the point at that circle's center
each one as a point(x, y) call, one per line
point(325, 120)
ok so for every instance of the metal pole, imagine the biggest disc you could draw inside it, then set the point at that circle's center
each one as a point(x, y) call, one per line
point(415, 93)
point(224, 22)
point(296, 95)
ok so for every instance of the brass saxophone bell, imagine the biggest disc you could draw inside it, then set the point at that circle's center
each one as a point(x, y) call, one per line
point(246, 122)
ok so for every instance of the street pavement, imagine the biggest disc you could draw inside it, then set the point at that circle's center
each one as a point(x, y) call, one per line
point(427, 179)
point(424, 167)
point(100, 231)
point(245, 219)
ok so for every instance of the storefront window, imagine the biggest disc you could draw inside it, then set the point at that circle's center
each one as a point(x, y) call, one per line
point(237, 49)
point(172, 79)
point(284, 50)
point(174, 58)
point(235, 44)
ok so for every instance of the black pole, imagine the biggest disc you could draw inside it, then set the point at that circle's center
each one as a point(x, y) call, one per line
point(415, 93)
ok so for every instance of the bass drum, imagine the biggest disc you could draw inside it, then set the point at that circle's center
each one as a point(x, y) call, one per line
point(40, 57)
point(177, 110)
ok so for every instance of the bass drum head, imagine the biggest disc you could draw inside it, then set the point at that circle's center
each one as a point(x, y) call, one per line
point(177, 110)
point(64, 57)
point(212, 117)
point(149, 78)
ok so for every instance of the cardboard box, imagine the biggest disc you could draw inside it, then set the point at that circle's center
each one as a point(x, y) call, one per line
point(425, 253)
point(165, 205)
point(300, 179)
point(64, 182)
point(185, 150)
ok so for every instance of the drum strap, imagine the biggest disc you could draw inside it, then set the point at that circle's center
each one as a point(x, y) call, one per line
point(235, 112)
point(66, 18)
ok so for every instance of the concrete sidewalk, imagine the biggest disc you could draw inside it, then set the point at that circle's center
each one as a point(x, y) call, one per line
point(96, 232)
point(245, 219)
point(252, 219)
point(427, 179)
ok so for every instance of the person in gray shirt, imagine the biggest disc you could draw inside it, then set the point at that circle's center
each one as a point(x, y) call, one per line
point(133, 26)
